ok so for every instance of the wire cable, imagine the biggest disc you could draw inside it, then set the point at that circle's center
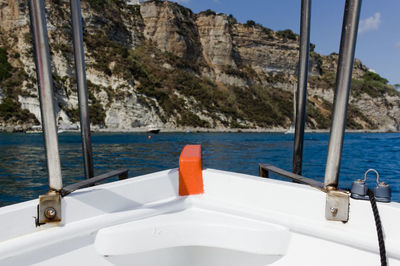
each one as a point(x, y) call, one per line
point(382, 249)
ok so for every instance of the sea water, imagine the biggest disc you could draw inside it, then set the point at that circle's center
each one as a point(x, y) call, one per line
point(23, 173)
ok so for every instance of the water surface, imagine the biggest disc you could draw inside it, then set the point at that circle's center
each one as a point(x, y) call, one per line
point(23, 173)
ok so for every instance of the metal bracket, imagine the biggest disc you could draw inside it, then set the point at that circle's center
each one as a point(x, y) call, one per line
point(337, 201)
point(264, 170)
point(121, 173)
point(49, 208)
point(337, 205)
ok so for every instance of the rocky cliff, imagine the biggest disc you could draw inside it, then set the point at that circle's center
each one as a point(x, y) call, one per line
point(160, 64)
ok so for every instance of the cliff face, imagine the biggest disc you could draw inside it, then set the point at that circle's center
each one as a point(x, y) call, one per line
point(160, 64)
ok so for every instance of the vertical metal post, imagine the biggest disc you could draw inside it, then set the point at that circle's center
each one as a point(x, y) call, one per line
point(302, 86)
point(343, 81)
point(80, 71)
point(46, 97)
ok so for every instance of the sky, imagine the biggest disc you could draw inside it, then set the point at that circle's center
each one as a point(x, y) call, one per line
point(378, 41)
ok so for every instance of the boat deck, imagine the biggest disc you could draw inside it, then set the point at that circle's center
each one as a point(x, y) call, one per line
point(238, 220)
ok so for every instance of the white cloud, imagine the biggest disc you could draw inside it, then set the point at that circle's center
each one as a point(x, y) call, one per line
point(370, 23)
point(397, 45)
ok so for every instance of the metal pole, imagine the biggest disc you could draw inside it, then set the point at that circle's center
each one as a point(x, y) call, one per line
point(45, 85)
point(343, 81)
point(79, 55)
point(302, 86)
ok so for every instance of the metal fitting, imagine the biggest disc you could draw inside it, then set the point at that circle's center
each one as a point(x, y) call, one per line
point(50, 213)
point(334, 211)
point(49, 209)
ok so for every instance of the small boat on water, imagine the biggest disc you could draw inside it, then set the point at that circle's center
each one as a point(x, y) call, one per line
point(153, 130)
point(198, 216)
point(290, 130)
point(33, 131)
point(40, 131)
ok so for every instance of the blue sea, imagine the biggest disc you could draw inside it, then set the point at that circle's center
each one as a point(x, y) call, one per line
point(23, 173)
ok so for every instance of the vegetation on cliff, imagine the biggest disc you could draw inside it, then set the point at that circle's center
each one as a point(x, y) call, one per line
point(10, 84)
point(5, 67)
point(200, 70)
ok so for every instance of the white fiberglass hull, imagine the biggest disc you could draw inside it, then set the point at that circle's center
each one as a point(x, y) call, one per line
point(238, 220)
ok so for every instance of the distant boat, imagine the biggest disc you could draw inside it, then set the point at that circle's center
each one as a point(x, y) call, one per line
point(33, 131)
point(153, 130)
point(290, 130)
point(39, 131)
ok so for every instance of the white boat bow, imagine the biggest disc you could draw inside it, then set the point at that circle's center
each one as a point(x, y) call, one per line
point(238, 220)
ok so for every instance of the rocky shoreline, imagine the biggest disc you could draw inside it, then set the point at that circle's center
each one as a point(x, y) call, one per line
point(196, 130)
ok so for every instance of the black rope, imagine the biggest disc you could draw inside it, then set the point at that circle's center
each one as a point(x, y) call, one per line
point(382, 250)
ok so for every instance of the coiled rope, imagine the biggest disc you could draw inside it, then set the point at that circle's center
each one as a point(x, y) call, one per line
point(378, 224)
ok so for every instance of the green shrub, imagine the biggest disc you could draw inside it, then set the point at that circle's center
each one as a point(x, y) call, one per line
point(286, 34)
point(63, 48)
point(250, 23)
point(235, 124)
point(11, 111)
point(73, 114)
point(263, 106)
point(316, 57)
point(190, 119)
point(267, 31)
point(8, 108)
point(135, 10)
point(97, 113)
point(314, 113)
point(5, 67)
point(208, 12)
point(373, 85)
point(230, 70)
point(372, 76)
point(96, 110)
point(28, 38)
point(312, 47)
point(97, 5)
point(326, 81)
point(232, 19)
point(184, 11)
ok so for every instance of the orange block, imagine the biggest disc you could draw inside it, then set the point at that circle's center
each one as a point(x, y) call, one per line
point(190, 171)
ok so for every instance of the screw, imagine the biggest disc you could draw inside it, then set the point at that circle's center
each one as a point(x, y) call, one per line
point(334, 211)
point(50, 213)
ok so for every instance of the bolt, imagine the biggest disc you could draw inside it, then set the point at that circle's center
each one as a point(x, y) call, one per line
point(334, 211)
point(50, 213)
